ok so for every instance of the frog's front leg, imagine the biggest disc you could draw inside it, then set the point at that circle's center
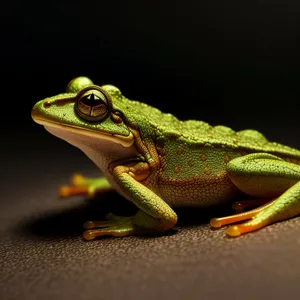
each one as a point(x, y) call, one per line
point(153, 217)
point(263, 175)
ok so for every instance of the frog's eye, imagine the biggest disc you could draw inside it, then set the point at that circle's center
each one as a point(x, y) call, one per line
point(92, 104)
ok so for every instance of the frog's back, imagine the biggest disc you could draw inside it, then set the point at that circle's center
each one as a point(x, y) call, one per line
point(199, 134)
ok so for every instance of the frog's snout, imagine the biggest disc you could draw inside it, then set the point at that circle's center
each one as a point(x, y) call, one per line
point(38, 110)
point(35, 112)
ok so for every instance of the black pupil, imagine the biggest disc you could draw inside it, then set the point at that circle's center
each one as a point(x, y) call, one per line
point(91, 100)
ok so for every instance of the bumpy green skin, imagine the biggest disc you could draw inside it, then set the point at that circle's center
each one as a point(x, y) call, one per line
point(177, 162)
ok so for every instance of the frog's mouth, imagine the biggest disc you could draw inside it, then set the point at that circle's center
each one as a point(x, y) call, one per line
point(61, 130)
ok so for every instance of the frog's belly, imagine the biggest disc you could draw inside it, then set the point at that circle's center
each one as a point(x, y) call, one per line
point(197, 191)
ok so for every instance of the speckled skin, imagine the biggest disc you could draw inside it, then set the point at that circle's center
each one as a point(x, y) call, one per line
point(154, 159)
point(197, 172)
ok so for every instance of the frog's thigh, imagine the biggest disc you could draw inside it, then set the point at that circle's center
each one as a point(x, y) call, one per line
point(263, 174)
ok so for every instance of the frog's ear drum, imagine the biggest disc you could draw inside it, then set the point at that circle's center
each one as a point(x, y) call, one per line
point(93, 104)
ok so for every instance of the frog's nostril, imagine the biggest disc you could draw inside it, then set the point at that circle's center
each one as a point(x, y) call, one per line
point(47, 104)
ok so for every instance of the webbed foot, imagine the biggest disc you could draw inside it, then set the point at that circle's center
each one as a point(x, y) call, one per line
point(84, 186)
point(139, 224)
point(282, 208)
point(237, 230)
point(114, 226)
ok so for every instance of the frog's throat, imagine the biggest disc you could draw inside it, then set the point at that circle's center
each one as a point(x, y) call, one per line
point(125, 141)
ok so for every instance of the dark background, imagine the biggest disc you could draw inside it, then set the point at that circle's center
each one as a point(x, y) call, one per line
point(237, 63)
point(224, 62)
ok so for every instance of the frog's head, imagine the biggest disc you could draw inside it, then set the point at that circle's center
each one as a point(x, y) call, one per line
point(85, 115)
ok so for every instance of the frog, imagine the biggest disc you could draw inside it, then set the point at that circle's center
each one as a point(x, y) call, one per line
point(159, 162)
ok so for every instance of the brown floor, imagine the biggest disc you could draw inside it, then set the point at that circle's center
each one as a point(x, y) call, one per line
point(43, 256)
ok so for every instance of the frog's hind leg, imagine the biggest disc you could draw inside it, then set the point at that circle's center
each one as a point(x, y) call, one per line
point(85, 186)
point(282, 208)
point(263, 175)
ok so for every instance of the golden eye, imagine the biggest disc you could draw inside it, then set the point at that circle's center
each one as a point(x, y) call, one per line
point(92, 104)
